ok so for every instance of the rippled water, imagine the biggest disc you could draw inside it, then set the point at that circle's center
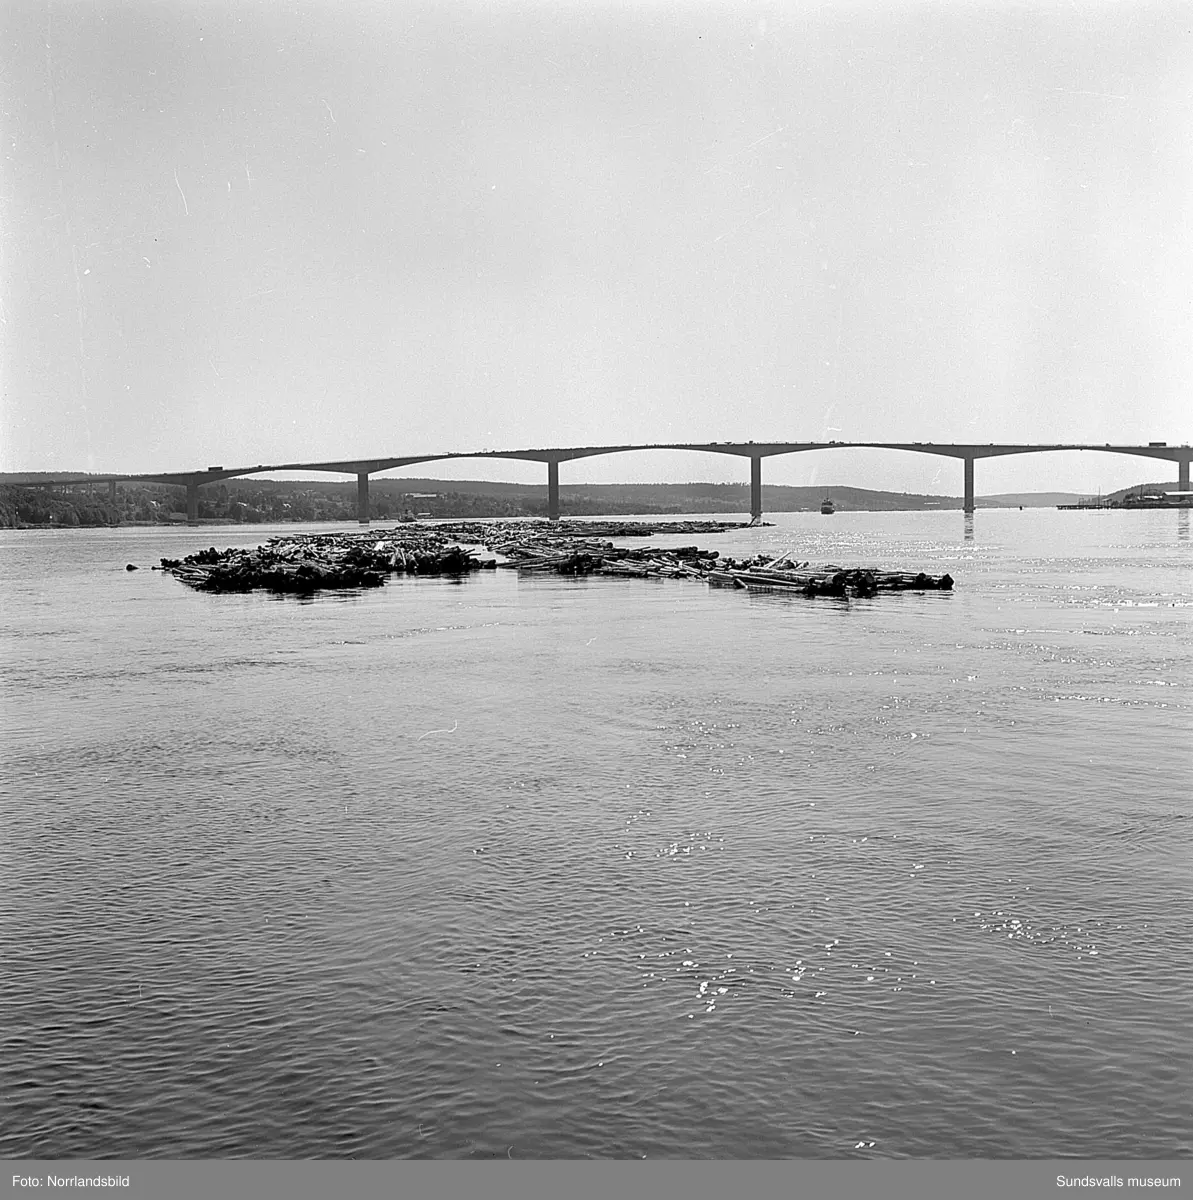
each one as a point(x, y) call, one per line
point(560, 868)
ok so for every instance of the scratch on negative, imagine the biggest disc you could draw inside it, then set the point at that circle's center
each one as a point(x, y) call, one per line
point(182, 194)
point(455, 726)
point(1100, 95)
point(766, 137)
point(254, 295)
point(737, 228)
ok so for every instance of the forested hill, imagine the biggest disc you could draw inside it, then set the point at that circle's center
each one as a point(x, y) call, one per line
point(251, 501)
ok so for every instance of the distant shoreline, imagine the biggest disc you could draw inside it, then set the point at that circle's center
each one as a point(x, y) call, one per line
point(352, 522)
point(300, 502)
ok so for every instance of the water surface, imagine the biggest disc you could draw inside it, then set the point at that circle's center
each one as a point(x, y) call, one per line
point(564, 868)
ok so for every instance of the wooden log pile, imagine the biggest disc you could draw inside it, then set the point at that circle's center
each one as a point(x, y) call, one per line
point(749, 576)
point(834, 581)
point(590, 557)
point(304, 564)
point(488, 532)
point(764, 574)
point(319, 563)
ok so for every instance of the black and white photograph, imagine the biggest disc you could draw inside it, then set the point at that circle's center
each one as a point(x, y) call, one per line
point(596, 581)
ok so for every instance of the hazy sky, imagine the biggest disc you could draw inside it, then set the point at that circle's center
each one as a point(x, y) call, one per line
point(259, 232)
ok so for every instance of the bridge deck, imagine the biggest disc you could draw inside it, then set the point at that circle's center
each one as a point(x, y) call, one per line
point(552, 457)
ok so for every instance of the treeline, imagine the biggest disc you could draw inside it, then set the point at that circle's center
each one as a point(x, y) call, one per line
point(1141, 489)
point(24, 507)
point(71, 505)
point(249, 501)
point(67, 506)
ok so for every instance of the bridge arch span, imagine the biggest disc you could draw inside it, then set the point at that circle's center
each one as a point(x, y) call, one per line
point(969, 453)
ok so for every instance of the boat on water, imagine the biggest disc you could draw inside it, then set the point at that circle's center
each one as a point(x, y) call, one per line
point(827, 507)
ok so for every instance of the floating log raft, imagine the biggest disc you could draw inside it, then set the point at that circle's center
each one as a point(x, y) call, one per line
point(522, 532)
point(318, 564)
point(304, 564)
point(834, 581)
point(755, 575)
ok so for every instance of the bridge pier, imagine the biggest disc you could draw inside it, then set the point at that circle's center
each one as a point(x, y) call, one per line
point(553, 490)
point(362, 497)
point(968, 505)
point(755, 488)
point(1182, 479)
point(192, 502)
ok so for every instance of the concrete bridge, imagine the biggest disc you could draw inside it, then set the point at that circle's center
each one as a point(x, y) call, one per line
point(754, 451)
